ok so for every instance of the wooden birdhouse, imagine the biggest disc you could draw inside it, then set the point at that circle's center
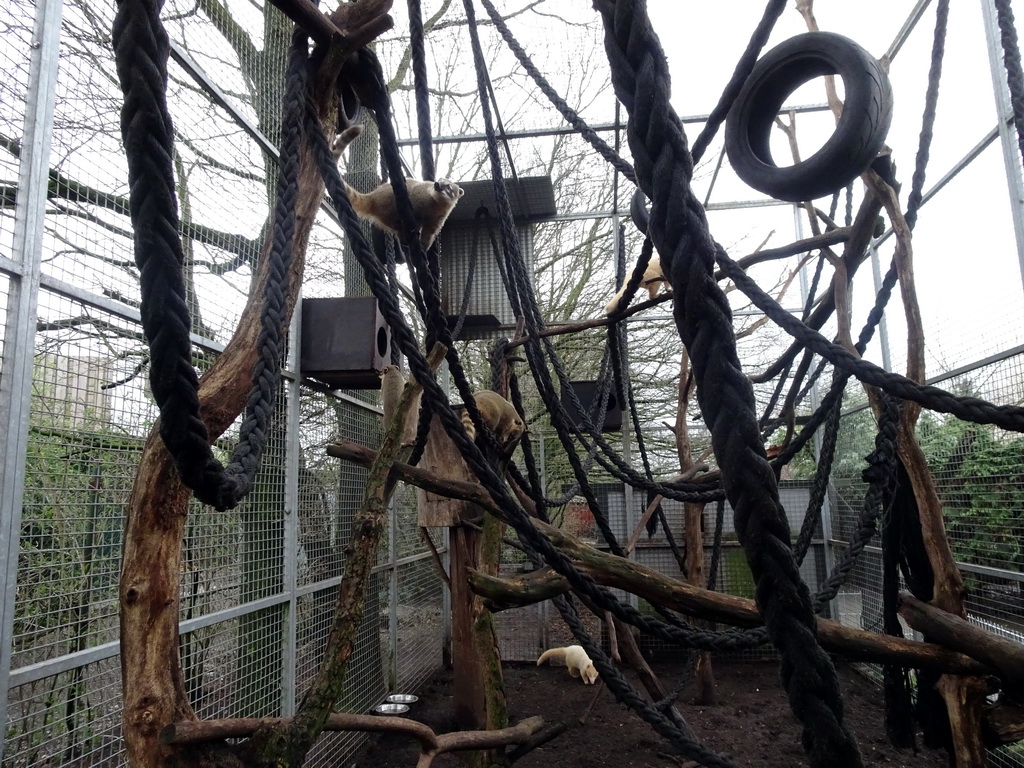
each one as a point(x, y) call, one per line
point(588, 393)
point(345, 342)
point(468, 262)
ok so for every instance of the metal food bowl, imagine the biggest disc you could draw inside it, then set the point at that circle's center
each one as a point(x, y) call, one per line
point(403, 698)
point(390, 708)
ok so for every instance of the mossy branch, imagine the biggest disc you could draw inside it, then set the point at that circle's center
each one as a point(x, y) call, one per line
point(286, 744)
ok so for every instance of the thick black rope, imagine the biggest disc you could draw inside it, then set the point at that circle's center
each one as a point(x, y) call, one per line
point(881, 478)
point(819, 486)
point(899, 719)
point(690, 637)
point(1014, 71)
point(966, 408)
point(432, 392)
point(931, 99)
point(679, 230)
point(746, 63)
point(141, 50)
point(567, 112)
point(453, 425)
point(417, 45)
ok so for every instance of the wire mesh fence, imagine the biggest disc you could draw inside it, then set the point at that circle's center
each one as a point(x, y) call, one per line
point(258, 584)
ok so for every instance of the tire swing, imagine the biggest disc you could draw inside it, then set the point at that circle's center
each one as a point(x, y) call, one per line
point(858, 137)
point(639, 212)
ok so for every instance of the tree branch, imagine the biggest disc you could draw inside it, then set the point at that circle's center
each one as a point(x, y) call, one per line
point(656, 587)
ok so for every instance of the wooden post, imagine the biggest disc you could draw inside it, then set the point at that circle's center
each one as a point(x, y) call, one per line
point(468, 669)
point(703, 674)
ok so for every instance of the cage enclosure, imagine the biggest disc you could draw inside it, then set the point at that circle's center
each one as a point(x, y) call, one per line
point(473, 275)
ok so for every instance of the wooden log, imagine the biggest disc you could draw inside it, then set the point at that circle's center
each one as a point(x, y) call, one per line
point(362, 24)
point(1003, 724)
point(468, 700)
point(959, 634)
point(855, 644)
point(431, 744)
point(614, 571)
point(198, 731)
point(964, 697)
point(441, 456)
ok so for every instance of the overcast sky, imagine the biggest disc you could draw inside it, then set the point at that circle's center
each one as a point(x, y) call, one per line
point(969, 279)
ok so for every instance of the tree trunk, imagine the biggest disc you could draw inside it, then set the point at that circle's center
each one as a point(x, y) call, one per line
point(152, 680)
point(704, 676)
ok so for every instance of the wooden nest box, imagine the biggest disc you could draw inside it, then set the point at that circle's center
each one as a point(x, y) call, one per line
point(589, 393)
point(467, 258)
point(345, 342)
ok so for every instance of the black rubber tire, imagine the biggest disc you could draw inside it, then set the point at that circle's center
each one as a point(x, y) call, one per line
point(858, 137)
point(638, 211)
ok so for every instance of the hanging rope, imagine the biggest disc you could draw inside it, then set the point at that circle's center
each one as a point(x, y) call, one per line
point(432, 392)
point(679, 231)
point(417, 44)
point(746, 62)
point(1014, 71)
point(141, 50)
point(570, 115)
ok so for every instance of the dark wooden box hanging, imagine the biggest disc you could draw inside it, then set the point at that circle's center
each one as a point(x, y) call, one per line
point(345, 342)
point(588, 392)
point(468, 260)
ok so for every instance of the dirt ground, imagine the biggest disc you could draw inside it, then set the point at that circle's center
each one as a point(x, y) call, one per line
point(751, 723)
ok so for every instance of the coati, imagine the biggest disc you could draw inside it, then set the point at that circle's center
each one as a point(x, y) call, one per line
point(652, 280)
point(432, 201)
point(576, 660)
point(499, 415)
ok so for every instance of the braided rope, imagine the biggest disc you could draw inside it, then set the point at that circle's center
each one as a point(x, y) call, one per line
point(899, 723)
point(432, 393)
point(567, 112)
point(881, 478)
point(141, 50)
point(744, 66)
point(1011, 60)
point(931, 99)
point(966, 408)
point(417, 44)
point(819, 487)
point(678, 227)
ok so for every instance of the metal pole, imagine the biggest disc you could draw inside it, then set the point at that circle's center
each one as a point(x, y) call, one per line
point(1011, 161)
point(19, 333)
point(826, 508)
point(542, 611)
point(446, 593)
point(293, 453)
point(393, 591)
